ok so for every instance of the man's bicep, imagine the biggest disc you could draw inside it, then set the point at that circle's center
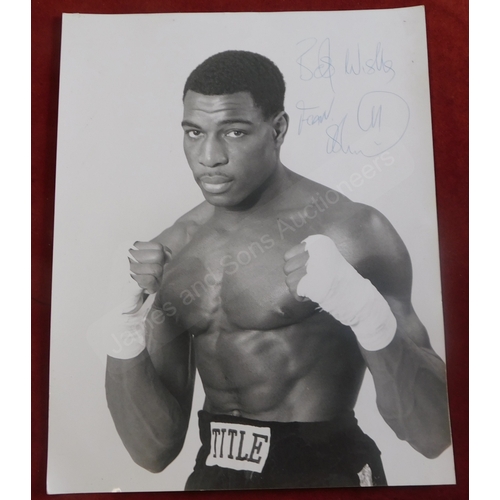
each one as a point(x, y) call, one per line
point(397, 292)
point(392, 275)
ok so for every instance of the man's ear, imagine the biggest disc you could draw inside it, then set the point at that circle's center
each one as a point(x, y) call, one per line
point(280, 127)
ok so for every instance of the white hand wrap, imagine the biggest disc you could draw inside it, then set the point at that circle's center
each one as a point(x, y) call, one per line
point(351, 299)
point(128, 328)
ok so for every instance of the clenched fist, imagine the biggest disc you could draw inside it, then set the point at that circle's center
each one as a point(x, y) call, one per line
point(147, 264)
point(317, 270)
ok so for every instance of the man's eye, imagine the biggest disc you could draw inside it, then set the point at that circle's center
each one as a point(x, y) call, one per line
point(235, 133)
point(193, 133)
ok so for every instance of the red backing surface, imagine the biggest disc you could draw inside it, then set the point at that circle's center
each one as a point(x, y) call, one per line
point(447, 26)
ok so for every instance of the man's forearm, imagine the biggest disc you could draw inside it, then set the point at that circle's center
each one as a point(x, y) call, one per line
point(149, 420)
point(410, 382)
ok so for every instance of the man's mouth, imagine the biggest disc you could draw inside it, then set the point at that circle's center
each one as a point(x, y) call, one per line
point(215, 184)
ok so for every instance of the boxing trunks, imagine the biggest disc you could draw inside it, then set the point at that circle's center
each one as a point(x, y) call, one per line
point(240, 453)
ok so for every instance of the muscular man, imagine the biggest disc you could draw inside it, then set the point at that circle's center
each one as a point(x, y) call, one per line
point(280, 292)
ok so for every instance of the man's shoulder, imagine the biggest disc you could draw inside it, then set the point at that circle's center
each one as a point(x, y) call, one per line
point(363, 227)
point(335, 211)
point(181, 232)
point(197, 216)
point(338, 216)
point(372, 245)
point(306, 193)
point(358, 220)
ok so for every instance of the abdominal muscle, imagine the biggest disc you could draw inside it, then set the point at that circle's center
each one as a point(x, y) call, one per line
point(260, 353)
point(306, 372)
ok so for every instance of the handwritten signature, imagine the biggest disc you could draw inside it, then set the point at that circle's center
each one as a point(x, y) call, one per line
point(382, 119)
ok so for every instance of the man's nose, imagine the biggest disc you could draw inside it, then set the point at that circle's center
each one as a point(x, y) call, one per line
point(212, 153)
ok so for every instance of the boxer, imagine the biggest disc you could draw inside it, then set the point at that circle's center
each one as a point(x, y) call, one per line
point(280, 292)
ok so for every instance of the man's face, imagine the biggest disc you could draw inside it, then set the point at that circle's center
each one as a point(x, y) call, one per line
point(229, 146)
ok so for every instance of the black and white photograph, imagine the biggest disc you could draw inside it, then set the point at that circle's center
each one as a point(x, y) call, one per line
point(246, 280)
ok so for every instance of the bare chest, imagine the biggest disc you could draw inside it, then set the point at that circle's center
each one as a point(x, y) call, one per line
point(233, 281)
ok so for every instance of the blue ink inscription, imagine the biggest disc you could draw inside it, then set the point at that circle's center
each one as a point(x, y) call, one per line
point(381, 122)
point(312, 119)
point(356, 64)
point(315, 64)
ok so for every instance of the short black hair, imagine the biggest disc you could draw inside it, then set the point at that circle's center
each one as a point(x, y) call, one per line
point(240, 71)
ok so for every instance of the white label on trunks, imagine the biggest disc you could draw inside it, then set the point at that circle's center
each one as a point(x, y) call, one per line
point(238, 446)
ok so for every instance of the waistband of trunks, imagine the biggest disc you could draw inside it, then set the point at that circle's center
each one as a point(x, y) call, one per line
point(342, 425)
